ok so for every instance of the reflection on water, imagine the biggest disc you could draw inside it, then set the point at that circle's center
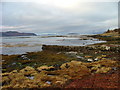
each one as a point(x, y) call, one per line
point(20, 45)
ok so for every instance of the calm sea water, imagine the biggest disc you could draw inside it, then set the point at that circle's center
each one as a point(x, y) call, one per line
point(21, 45)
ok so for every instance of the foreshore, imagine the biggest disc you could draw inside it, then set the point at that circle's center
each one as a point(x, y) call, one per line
point(66, 66)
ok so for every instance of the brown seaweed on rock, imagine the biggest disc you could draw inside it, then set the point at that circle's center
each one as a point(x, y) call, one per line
point(30, 77)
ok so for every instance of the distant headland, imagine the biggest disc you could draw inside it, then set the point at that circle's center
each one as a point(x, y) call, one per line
point(15, 33)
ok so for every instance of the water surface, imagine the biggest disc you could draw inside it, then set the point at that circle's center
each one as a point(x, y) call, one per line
point(21, 45)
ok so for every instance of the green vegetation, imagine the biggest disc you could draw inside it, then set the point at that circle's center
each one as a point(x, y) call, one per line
point(33, 59)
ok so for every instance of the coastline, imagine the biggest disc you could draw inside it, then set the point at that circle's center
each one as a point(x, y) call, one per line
point(21, 45)
point(63, 66)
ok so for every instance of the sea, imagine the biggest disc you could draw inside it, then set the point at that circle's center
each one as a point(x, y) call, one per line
point(24, 44)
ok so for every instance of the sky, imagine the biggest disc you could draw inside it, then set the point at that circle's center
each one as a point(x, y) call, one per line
point(59, 16)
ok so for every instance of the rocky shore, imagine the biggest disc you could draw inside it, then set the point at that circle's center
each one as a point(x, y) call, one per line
point(92, 66)
point(44, 76)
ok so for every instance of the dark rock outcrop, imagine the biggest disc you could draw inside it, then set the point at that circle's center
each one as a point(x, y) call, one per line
point(62, 48)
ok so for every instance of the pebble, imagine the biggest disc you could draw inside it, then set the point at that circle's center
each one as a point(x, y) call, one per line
point(90, 60)
point(79, 57)
point(48, 82)
point(96, 59)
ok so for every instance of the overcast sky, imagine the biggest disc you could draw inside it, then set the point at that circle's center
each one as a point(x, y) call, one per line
point(59, 16)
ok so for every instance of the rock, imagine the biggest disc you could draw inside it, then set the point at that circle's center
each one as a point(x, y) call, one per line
point(70, 64)
point(99, 57)
point(94, 68)
point(61, 48)
point(45, 85)
point(107, 62)
point(104, 47)
point(90, 60)
point(14, 71)
point(24, 57)
point(76, 69)
point(6, 87)
point(104, 56)
point(114, 68)
point(48, 82)
point(76, 62)
point(59, 83)
point(29, 77)
point(44, 68)
point(5, 80)
point(96, 59)
point(14, 80)
point(79, 57)
point(5, 74)
point(16, 76)
point(102, 66)
point(88, 56)
point(28, 70)
point(103, 70)
point(71, 52)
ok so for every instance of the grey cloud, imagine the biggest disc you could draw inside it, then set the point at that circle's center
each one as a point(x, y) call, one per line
point(40, 18)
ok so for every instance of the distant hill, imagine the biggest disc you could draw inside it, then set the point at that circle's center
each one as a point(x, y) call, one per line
point(112, 33)
point(73, 34)
point(15, 33)
point(115, 30)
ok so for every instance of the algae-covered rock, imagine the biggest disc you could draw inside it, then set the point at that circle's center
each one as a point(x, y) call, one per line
point(5, 80)
point(14, 71)
point(103, 62)
point(107, 62)
point(74, 69)
point(46, 80)
point(5, 74)
point(95, 67)
point(45, 85)
point(104, 47)
point(16, 76)
point(103, 70)
point(104, 56)
point(28, 77)
point(28, 70)
point(45, 68)
point(102, 66)
point(70, 64)
point(99, 69)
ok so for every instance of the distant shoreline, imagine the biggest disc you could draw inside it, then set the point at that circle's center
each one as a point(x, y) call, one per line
point(15, 33)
